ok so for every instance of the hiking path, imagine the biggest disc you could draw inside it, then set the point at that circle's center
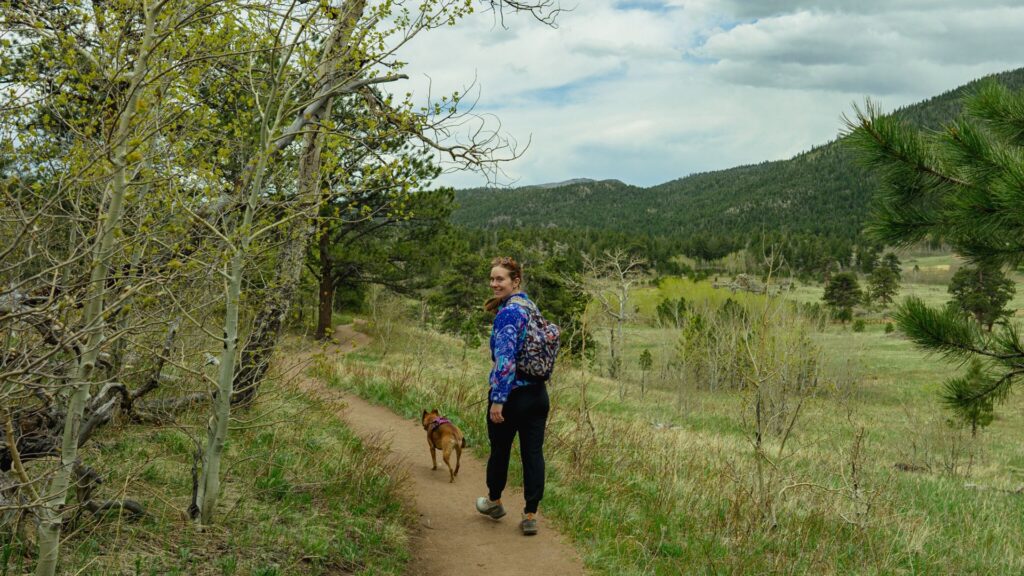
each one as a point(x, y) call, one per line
point(451, 537)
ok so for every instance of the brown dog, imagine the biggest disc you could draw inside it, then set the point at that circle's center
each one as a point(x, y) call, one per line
point(445, 436)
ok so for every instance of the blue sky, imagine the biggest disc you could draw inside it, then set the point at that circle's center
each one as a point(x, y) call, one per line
point(647, 91)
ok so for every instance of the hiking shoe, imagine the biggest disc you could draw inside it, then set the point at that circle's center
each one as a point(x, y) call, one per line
point(529, 524)
point(488, 508)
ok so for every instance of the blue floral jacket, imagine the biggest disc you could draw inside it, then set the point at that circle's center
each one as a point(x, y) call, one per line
point(507, 338)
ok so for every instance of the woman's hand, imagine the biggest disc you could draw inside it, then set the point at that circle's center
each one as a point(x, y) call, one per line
point(495, 413)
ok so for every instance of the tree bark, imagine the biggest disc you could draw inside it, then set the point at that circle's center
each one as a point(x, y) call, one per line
point(326, 291)
point(256, 355)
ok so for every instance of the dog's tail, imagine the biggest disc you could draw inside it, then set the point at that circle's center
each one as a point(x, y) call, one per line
point(464, 444)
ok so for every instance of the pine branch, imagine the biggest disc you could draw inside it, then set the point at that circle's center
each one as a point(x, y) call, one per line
point(896, 223)
point(968, 148)
point(910, 206)
point(1007, 342)
point(946, 331)
point(904, 159)
point(1001, 110)
point(964, 395)
point(991, 246)
point(967, 394)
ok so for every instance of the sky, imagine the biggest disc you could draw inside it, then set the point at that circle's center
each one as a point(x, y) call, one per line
point(647, 91)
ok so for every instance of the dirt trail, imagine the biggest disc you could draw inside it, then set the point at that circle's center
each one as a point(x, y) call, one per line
point(452, 538)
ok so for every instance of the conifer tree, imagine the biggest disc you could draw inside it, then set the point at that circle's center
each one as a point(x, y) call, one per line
point(962, 185)
point(842, 293)
point(892, 262)
point(983, 292)
point(883, 284)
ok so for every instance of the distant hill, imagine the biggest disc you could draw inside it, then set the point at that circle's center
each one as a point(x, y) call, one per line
point(821, 193)
point(566, 183)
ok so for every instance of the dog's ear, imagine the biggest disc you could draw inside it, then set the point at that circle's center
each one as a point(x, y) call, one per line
point(423, 415)
point(435, 412)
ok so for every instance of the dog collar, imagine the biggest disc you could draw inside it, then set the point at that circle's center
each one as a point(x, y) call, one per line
point(438, 422)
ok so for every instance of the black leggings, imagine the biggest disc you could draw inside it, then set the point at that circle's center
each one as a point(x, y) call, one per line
point(526, 413)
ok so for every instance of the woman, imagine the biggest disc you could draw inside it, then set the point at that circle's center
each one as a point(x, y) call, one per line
point(516, 404)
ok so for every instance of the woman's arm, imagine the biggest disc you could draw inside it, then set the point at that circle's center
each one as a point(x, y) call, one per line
point(508, 327)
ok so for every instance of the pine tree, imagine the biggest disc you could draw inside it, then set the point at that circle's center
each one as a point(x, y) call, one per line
point(983, 292)
point(961, 185)
point(883, 284)
point(459, 301)
point(892, 262)
point(842, 293)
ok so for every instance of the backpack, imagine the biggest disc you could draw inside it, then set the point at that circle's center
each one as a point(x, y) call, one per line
point(536, 358)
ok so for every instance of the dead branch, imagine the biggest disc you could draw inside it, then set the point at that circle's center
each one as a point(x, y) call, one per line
point(154, 380)
point(87, 481)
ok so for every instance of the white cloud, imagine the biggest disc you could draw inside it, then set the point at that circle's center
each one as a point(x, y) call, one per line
point(765, 8)
point(887, 54)
point(648, 90)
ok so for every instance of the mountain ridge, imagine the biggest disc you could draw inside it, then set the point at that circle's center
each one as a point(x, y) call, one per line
point(821, 192)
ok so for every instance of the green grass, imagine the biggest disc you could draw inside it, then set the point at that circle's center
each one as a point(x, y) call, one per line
point(648, 298)
point(301, 495)
point(338, 318)
point(873, 478)
point(929, 283)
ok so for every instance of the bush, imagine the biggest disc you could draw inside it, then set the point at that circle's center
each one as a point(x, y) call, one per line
point(858, 325)
point(728, 347)
point(889, 329)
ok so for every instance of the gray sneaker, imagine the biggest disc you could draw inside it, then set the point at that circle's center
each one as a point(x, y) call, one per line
point(529, 524)
point(488, 508)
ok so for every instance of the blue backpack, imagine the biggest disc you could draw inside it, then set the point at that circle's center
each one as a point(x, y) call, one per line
point(536, 358)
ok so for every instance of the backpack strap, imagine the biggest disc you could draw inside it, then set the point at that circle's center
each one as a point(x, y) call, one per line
point(524, 302)
point(529, 307)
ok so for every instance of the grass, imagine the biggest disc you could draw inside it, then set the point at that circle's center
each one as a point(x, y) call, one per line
point(873, 478)
point(301, 495)
point(339, 318)
point(647, 299)
point(930, 283)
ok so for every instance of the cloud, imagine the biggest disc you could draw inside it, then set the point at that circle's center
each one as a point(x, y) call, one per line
point(766, 8)
point(651, 90)
point(657, 6)
point(867, 52)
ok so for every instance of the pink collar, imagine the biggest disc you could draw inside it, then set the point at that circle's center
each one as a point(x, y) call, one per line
point(436, 423)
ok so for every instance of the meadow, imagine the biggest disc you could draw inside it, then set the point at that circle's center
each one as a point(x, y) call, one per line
point(868, 474)
point(863, 473)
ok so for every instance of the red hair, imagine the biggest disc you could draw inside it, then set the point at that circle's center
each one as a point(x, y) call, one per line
point(515, 272)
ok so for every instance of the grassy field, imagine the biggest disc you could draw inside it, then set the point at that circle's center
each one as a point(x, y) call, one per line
point(306, 498)
point(929, 282)
point(871, 478)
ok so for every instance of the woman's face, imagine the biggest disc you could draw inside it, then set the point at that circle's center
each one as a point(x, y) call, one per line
point(502, 284)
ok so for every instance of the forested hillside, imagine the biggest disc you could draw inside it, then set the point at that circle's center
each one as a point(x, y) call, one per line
point(814, 204)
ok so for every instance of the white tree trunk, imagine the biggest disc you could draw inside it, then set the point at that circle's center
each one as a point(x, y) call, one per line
point(52, 513)
point(217, 428)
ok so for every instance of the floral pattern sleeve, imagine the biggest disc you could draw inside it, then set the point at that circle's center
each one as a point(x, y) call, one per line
point(509, 326)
